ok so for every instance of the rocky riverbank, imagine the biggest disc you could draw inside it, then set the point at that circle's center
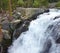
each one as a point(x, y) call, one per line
point(20, 22)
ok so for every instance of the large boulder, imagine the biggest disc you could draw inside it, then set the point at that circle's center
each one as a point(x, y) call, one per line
point(22, 26)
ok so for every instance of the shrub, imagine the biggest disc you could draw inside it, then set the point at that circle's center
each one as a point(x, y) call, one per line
point(20, 3)
point(36, 3)
point(58, 4)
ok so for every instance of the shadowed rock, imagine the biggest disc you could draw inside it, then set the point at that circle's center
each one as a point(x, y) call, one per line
point(22, 26)
point(54, 31)
point(56, 17)
point(58, 40)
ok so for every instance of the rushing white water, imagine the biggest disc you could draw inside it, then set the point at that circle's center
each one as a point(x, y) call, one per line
point(38, 38)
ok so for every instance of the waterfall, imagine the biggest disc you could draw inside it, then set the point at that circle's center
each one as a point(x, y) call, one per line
point(41, 35)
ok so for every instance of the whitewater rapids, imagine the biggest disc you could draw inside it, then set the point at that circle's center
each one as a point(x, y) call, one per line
point(40, 36)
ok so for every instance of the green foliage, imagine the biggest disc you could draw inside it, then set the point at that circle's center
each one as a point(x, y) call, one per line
point(14, 3)
point(20, 3)
point(58, 4)
point(29, 3)
point(44, 3)
point(4, 4)
point(39, 3)
point(36, 3)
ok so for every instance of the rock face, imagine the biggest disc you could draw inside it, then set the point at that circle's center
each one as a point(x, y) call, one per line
point(46, 41)
point(28, 12)
point(55, 31)
point(17, 28)
point(14, 29)
point(23, 25)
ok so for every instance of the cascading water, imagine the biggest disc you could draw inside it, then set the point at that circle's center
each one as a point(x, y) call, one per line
point(41, 36)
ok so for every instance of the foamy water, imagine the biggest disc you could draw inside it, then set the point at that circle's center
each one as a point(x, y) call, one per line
point(37, 39)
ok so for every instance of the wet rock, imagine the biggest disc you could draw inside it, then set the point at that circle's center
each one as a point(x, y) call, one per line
point(50, 27)
point(1, 48)
point(22, 26)
point(47, 10)
point(6, 43)
point(54, 31)
point(34, 16)
point(6, 34)
point(5, 25)
point(56, 17)
point(17, 15)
